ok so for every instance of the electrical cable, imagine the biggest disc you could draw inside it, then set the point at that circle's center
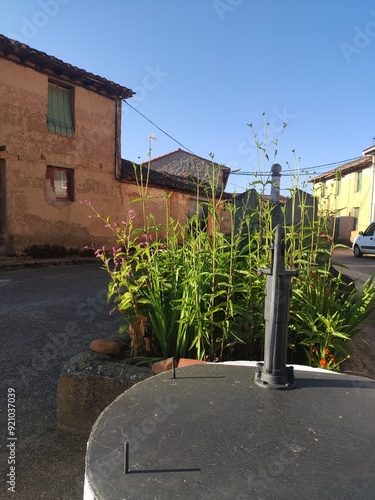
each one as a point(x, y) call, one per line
point(303, 171)
point(161, 130)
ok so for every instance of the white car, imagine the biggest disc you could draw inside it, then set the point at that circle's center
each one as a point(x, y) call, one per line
point(365, 241)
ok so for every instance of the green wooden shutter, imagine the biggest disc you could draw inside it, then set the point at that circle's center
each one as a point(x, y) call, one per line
point(60, 115)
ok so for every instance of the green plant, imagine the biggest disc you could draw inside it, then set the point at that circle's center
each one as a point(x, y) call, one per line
point(200, 292)
point(325, 313)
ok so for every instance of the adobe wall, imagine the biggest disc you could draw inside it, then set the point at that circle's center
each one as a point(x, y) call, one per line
point(154, 209)
point(32, 216)
point(29, 211)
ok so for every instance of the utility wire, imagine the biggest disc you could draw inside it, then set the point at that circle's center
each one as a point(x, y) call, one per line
point(304, 170)
point(161, 130)
point(301, 170)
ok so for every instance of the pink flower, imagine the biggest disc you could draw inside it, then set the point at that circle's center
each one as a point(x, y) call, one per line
point(131, 215)
point(99, 252)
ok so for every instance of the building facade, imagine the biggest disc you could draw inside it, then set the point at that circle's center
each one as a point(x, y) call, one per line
point(60, 130)
point(348, 194)
point(60, 143)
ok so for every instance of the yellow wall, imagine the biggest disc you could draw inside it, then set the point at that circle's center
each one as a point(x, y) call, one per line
point(343, 201)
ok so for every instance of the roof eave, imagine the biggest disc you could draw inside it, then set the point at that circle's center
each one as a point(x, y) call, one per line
point(163, 180)
point(369, 151)
point(24, 55)
point(345, 169)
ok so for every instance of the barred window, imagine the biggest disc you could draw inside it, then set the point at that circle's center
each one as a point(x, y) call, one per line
point(60, 110)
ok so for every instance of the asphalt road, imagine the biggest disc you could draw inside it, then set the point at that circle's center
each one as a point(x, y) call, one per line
point(47, 316)
point(359, 269)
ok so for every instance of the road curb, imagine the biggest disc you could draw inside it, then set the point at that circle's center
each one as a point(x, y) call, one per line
point(9, 263)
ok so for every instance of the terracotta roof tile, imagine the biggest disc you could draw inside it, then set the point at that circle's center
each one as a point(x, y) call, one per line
point(162, 180)
point(21, 53)
point(346, 168)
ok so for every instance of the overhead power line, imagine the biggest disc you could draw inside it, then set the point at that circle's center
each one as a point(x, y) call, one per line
point(161, 130)
point(300, 170)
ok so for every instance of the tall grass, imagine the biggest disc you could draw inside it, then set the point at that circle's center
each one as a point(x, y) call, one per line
point(202, 295)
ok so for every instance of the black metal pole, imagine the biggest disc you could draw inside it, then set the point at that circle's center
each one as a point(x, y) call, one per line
point(273, 372)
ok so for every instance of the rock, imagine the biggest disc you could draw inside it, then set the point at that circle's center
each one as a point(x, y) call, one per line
point(162, 366)
point(88, 384)
point(113, 345)
point(104, 346)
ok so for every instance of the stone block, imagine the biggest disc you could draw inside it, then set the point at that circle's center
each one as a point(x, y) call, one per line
point(88, 384)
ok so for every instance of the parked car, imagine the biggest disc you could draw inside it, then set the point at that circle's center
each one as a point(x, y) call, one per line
point(365, 241)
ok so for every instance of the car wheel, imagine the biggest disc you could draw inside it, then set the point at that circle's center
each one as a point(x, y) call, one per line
point(357, 251)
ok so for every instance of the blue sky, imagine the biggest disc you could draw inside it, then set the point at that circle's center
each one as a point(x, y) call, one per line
point(204, 69)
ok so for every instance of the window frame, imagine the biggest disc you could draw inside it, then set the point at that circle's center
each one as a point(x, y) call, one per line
point(50, 174)
point(358, 181)
point(355, 212)
point(58, 121)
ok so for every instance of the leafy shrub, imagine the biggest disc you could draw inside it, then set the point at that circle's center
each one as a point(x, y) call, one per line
point(201, 294)
point(203, 297)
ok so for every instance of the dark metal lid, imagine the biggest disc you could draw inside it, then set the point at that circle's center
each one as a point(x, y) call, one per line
point(212, 433)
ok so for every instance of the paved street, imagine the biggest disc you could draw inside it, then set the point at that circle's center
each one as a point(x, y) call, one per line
point(359, 269)
point(47, 315)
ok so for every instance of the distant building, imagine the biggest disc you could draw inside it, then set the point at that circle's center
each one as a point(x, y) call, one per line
point(194, 168)
point(348, 193)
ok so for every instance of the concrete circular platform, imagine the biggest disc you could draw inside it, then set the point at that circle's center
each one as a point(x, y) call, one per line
point(212, 433)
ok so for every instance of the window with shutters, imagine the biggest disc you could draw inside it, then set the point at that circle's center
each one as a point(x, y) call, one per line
point(355, 212)
point(60, 117)
point(358, 182)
